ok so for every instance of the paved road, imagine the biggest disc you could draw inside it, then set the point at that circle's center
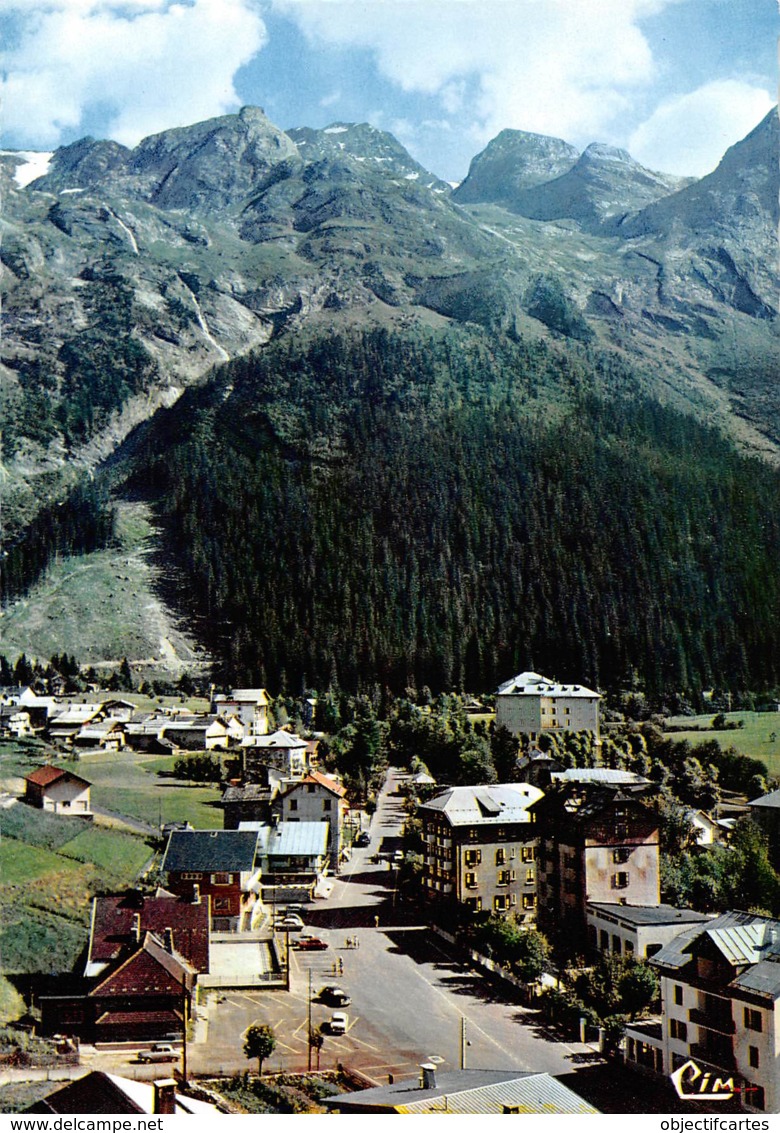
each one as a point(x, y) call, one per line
point(410, 991)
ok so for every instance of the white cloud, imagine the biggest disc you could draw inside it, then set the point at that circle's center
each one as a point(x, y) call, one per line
point(158, 63)
point(565, 67)
point(689, 134)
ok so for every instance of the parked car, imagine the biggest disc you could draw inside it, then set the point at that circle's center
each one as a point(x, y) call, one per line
point(310, 944)
point(338, 1023)
point(160, 1052)
point(363, 838)
point(336, 996)
point(291, 922)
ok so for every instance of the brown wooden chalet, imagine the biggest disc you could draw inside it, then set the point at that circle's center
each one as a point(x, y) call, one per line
point(145, 996)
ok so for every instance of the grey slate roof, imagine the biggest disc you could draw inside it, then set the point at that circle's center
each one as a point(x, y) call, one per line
point(470, 1091)
point(204, 850)
point(486, 805)
point(742, 938)
point(533, 684)
point(763, 978)
point(770, 801)
point(638, 915)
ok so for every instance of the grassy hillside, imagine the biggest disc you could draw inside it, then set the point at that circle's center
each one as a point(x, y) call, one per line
point(50, 868)
point(104, 606)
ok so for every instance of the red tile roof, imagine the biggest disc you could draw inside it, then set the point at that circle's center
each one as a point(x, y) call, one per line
point(324, 781)
point(113, 919)
point(149, 971)
point(46, 775)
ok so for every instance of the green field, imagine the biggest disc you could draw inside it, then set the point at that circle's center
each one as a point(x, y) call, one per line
point(111, 851)
point(52, 865)
point(22, 863)
point(759, 736)
point(131, 784)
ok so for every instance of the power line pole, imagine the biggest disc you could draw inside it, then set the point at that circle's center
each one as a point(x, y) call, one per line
point(310, 1020)
point(463, 1043)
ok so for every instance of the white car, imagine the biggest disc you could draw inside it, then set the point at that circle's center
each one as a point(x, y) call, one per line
point(291, 922)
point(338, 1023)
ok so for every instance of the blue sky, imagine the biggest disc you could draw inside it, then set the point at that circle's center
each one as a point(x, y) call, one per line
point(674, 81)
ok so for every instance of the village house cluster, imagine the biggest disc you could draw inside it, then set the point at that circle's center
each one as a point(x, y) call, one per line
point(573, 851)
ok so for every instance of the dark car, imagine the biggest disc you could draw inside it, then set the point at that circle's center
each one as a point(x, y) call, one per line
point(336, 996)
point(363, 839)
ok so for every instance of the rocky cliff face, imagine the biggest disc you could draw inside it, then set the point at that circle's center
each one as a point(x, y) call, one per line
point(128, 274)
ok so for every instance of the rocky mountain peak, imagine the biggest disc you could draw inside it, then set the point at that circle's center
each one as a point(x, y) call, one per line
point(206, 167)
point(513, 162)
point(598, 153)
point(367, 146)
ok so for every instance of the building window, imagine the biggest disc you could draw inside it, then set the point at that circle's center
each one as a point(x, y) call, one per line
point(529, 876)
point(500, 857)
point(753, 1057)
point(474, 904)
point(471, 881)
point(529, 901)
point(503, 877)
point(528, 853)
point(604, 940)
point(326, 804)
point(310, 787)
point(678, 995)
point(678, 1030)
point(222, 879)
point(754, 1097)
point(293, 804)
point(500, 903)
point(191, 876)
point(221, 905)
point(620, 880)
point(621, 855)
point(753, 1019)
point(473, 857)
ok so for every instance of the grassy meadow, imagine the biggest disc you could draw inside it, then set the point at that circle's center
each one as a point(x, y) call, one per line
point(759, 736)
point(51, 865)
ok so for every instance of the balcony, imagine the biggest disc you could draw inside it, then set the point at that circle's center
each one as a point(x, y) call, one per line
point(725, 1025)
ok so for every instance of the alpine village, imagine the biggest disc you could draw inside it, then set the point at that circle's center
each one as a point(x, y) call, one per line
point(389, 619)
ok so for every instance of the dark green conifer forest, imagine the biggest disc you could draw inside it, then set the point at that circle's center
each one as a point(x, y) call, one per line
point(446, 510)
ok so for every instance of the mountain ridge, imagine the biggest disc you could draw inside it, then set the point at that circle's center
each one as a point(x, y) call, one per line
point(133, 275)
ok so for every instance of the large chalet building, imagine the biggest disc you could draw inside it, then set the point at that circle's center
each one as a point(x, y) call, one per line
point(599, 843)
point(480, 848)
point(720, 992)
point(530, 705)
